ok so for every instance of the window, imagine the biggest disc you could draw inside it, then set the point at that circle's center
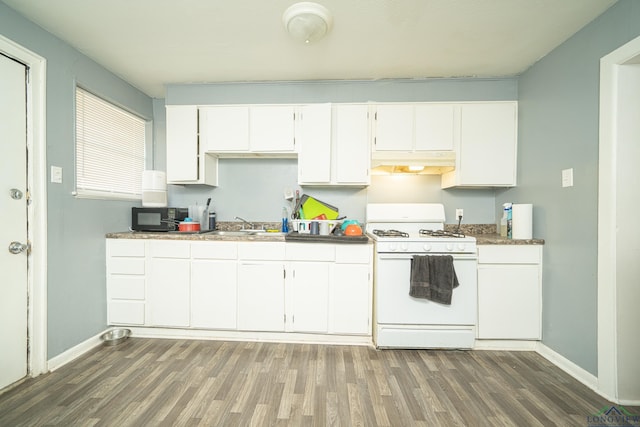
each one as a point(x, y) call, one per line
point(109, 149)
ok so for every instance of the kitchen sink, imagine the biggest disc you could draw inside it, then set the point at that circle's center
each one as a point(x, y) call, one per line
point(245, 233)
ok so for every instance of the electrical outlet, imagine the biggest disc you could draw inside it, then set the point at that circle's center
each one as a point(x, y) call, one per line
point(459, 213)
point(567, 177)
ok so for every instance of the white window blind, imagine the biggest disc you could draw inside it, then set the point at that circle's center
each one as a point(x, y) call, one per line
point(109, 149)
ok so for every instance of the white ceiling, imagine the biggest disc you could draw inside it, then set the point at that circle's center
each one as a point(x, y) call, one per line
point(150, 43)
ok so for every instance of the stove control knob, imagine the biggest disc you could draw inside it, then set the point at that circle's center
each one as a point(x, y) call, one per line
point(392, 247)
point(461, 247)
point(449, 247)
point(426, 247)
point(404, 247)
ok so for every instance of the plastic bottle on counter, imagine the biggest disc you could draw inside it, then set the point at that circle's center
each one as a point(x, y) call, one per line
point(285, 220)
point(212, 220)
point(509, 220)
point(503, 221)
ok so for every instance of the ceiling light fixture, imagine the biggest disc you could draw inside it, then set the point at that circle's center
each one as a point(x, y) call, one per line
point(307, 21)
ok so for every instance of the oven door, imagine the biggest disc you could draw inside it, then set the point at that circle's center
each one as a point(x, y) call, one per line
point(394, 306)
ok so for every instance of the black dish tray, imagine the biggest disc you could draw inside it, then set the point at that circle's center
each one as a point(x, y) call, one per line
point(294, 236)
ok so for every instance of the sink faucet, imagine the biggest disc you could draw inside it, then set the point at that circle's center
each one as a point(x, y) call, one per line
point(245, 222)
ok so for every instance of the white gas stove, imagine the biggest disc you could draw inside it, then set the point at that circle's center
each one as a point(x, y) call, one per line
point(400, 232)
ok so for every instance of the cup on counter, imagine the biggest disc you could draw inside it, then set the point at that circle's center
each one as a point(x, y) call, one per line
point(324, 228)
point(200, 214)
point(314, 227)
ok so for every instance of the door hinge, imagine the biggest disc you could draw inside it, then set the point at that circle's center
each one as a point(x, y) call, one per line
point(284, 273)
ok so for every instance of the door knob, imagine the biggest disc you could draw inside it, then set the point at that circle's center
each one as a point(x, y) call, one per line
point(17, 247)
point(15, 194)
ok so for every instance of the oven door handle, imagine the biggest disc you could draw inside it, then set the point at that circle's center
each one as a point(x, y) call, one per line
point(409, 256)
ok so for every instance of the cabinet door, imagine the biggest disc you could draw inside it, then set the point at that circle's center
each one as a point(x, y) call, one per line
point(225, 128)
point(351, 299)
point(213, 294)
point(394, 128)
point(313, 134)
point(182, 143)
point(271, 128)
point(509, 302)
point(434, 127)
point(261, 296)
point(488, 144)
point(352, 157)
point(168, 292)
point(310, 296)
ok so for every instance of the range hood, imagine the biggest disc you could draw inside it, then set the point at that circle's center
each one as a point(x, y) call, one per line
point(412, 162)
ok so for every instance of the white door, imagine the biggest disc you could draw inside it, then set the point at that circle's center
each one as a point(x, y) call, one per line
point(310, 296)
point(13, 175)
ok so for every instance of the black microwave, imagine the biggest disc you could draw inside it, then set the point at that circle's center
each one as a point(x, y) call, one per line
point(157, 219)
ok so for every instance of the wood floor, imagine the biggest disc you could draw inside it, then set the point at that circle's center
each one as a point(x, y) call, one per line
point(155, 382)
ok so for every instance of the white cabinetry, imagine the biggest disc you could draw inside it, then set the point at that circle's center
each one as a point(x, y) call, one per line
point(261, 286)
point(308, 288)
point(509, 292)
point(214, 285)
point(487, 147)
point(248, 129)
point(125, 282)
point(187, 162)
point(334, 145)
point(168, 283)
point(351, 290)
point(415, 127)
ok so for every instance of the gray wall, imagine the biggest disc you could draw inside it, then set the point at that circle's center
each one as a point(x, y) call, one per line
point(558, 129)
point(247, 183)
point(76, 288)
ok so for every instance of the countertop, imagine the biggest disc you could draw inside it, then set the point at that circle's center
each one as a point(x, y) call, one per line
point(486, 234)
point(269, 237)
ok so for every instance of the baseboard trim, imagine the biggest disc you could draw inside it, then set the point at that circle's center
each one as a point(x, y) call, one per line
point(505, 345)
point(74, 352)
point(282, 337)
point(580, 374)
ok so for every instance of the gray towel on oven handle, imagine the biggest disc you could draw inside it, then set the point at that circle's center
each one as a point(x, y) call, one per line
point(433, 278)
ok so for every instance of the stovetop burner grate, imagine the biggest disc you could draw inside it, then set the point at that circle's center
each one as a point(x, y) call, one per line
point(390, 233)
point(441, 233)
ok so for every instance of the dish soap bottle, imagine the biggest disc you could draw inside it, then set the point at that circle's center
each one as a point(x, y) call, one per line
point(285, 221)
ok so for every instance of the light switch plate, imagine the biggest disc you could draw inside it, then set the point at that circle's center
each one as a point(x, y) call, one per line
point(56, 174)
point(567, 177)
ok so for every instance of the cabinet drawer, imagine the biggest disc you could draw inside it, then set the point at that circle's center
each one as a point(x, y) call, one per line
point(214, 250)
point(509, 254)
point(170, 249)
point(353, 254)
point(126, 312)
point(310, 252)
point(125, 287)
point(125, 247)
point(126, 266)
point(268, 251)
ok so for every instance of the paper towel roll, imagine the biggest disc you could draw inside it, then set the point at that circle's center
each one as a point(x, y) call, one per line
point(522, 221)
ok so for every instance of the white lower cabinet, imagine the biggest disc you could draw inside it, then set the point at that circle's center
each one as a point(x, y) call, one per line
point(168, 284)
point(261, 286)
point(125, 282)
point(261, 296)
point(509, 292)
point(241, 286)
point(214, 285)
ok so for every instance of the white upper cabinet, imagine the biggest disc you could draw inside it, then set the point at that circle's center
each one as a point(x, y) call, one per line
point(314, 139)
point(351, 145)
point(271, 128)
point(435, 126)
point(334, 145)
point(248, 129)
point(394, 127)
point(487, 147)
point(225, 128)
point(187, 162)
point(414, 127)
